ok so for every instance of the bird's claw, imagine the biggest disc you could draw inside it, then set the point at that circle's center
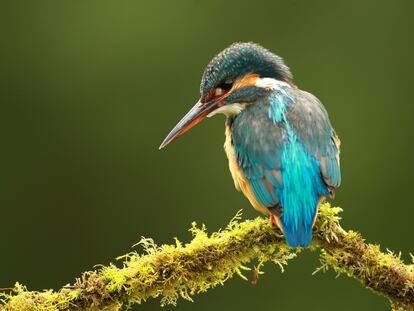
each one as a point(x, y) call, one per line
point(273, 220)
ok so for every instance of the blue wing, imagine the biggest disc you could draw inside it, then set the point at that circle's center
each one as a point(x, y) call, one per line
point(311, 123)
point(288, 151)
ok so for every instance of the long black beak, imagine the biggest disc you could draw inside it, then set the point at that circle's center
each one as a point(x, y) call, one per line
point(193, 117)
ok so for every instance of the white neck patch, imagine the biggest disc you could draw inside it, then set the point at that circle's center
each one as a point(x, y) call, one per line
point(270, 83)
point(228, 110)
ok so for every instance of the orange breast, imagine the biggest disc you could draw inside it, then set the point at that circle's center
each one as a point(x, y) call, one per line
point(240, 181)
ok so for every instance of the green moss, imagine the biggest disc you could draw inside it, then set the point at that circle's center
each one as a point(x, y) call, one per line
point(182, 270)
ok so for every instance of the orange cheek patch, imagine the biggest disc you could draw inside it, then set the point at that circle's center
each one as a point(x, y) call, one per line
point(247, 80)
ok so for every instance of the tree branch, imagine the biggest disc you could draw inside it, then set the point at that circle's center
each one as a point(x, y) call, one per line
point(173, 271)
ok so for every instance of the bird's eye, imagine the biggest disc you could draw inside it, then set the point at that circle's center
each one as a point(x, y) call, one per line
point(224, 87)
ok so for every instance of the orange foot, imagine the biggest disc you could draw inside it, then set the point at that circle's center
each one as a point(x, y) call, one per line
point(273, 220)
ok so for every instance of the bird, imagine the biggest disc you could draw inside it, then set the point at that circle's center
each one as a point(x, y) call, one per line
point(282, 150)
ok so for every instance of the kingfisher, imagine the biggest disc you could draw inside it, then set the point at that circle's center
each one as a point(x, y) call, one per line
point(282, 150)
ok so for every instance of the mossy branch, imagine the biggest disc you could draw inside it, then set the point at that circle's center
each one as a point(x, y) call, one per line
point(173, 271)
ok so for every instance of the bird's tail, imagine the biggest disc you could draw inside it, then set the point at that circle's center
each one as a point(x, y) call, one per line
point(299, 236)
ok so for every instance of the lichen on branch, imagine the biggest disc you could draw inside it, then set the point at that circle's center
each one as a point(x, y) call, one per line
point(184, 270)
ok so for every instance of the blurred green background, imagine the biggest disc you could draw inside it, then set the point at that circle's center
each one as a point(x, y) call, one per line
point(90, 88)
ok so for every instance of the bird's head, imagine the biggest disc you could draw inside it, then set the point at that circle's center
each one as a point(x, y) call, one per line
point(232, 80)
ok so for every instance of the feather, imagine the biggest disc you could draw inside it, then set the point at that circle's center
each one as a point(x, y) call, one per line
point(288, 152)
